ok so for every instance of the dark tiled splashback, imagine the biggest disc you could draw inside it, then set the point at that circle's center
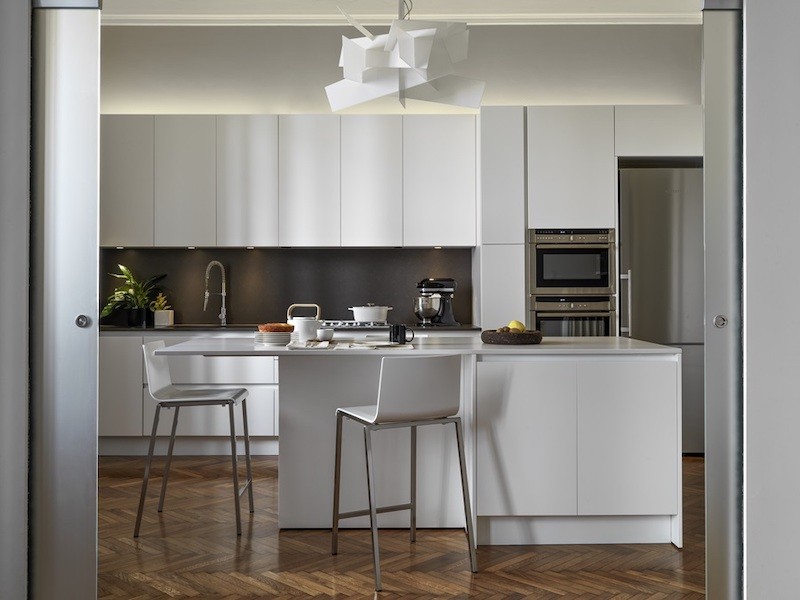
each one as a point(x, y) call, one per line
point(262, 283)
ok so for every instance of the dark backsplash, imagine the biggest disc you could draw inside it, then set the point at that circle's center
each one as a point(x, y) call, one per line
point(263, 282)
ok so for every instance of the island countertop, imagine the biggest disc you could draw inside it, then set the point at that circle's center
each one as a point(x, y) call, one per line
point(465, 345)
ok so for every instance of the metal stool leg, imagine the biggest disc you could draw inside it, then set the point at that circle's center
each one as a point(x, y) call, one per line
point(249, 483)
point(473, 561)
point(146, 472)
point(168, 463)
point(373, 514)
point(413, 516)
point(337, 473)
point(235, 471)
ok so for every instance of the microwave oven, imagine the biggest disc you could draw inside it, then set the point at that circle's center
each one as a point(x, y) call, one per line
point(572, 262)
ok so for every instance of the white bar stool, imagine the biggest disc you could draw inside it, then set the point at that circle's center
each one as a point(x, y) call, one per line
point(159, 383)
point(412, 392)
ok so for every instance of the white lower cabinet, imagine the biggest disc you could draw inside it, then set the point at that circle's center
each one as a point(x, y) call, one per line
point(126, 407)
point(526, 439)
point(578, 438)
point(628, 448)
point(119, 410)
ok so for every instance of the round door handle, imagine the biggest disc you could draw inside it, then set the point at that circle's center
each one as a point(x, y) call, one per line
point(82, 321)
point(720, 321)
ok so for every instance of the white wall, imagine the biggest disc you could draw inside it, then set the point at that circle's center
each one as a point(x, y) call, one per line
point(772, 289)
point(15, 42)
point(284, 69)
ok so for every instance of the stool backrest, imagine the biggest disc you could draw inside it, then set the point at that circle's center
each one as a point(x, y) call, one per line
point(156, 367)
point(418, 387)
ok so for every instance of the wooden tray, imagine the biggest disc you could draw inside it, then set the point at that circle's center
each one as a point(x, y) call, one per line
point(494, 337)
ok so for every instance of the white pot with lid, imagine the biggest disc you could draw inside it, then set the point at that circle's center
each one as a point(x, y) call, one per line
point(371, 312)
point(305, 327)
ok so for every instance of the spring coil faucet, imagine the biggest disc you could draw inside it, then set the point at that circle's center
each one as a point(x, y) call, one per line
point(222, 313)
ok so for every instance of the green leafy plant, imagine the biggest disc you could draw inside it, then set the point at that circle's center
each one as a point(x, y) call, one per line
point(160, 303)
point(130, 293)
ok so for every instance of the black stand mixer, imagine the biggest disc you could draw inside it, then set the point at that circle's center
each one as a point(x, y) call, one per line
point(434, 305)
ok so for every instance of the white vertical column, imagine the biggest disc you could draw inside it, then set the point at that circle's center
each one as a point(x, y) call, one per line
point(64, 286)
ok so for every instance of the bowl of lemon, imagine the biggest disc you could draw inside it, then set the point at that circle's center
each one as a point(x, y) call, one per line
point(513, 333)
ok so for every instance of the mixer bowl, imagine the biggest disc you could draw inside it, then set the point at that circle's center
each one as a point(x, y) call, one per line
point(427, 307)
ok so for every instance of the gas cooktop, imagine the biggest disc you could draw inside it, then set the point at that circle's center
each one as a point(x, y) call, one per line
point(349, 324)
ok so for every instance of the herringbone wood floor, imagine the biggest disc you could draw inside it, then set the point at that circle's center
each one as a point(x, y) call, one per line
point(191, 549)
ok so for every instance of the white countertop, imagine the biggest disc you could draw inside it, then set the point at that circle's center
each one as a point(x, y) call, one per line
point(245, 346)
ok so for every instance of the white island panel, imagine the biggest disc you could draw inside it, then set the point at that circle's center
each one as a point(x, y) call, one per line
point(628, 451)
point(526, 439)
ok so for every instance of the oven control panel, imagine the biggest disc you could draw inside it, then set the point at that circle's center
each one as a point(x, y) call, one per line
point(571, 236)
point(573, 304)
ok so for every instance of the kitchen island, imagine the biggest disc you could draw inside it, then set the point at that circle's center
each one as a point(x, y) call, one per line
point(574, 440)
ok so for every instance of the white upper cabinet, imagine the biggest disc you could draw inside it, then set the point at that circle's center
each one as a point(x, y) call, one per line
point(658, 130)
point(309, 180)
point(572, 175)
point(247, 180)
point(502, 167)
point(372, 180)
point(185, 181)
point(439, 180)
point(126, 180)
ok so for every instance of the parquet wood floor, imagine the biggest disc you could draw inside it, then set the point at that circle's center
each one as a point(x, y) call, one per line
point(191, 550)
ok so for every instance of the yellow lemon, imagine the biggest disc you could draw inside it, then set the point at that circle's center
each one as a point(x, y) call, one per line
point(516, 325)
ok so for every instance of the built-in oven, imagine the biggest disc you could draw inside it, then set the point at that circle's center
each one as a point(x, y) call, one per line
point(566, 316)
point(572, 262)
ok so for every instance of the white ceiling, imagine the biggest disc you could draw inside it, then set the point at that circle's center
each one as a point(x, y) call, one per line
point(325, 12)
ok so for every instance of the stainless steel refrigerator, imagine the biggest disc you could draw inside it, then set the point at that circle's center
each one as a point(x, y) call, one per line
point(661, 272)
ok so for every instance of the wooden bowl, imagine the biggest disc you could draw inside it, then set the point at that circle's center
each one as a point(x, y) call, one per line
point(495, 337)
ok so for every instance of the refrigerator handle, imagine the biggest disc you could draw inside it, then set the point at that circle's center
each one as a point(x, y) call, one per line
point(626, 329)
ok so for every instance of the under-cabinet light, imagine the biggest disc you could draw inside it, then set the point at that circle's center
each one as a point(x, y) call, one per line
point(251, 247)
point(190, 247)
point(120, 247)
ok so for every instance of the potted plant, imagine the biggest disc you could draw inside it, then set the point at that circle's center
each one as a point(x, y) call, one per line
point(131, 295)
point(163, 315)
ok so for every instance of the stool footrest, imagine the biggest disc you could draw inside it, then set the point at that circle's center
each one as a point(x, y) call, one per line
point(379, 510)
point(246, 485)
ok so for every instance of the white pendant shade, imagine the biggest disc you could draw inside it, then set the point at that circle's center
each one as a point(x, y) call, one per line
point(414, 60)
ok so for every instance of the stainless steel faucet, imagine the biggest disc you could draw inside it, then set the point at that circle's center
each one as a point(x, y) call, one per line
point(222, 314)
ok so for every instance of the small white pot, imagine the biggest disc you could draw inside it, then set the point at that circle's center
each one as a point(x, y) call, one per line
point(163, 318)
point(370, 312)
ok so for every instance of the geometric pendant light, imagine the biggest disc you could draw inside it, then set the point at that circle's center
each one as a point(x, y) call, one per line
point(414, 60)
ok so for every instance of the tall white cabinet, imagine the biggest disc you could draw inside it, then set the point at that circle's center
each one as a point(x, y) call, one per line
point(185, 180)
point(372, 180)
point(572, 176)
point(309, 180)
point(439, 180)
point(502, 225)
point(126, 180)
point(247, 180)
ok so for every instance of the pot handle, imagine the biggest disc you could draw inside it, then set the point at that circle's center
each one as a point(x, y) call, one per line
point(293, 306)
